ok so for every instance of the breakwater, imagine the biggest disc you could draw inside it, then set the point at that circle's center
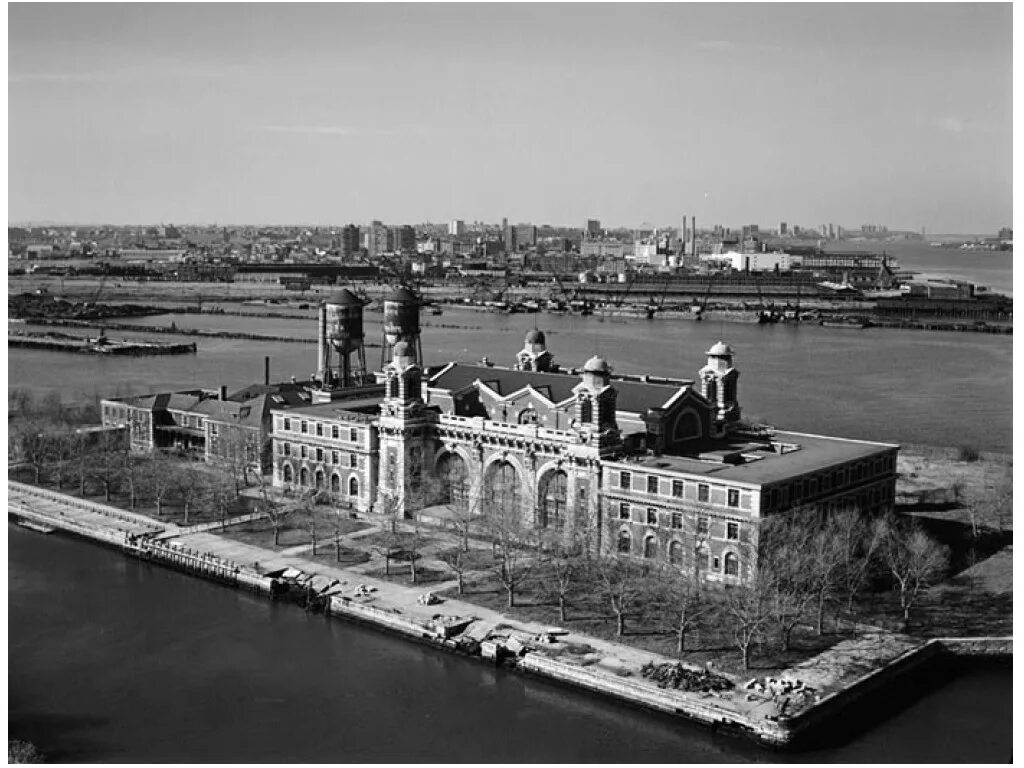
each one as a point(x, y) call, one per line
point(174, 330)
point(101, 346)
point(465, 629)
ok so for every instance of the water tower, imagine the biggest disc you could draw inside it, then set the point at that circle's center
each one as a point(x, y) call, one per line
point(401, 323)
point(339, 340)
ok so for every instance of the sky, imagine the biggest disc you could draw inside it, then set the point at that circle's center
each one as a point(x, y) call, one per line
point(890, 114)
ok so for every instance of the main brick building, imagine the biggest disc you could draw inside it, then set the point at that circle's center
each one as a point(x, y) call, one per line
point(655, 468)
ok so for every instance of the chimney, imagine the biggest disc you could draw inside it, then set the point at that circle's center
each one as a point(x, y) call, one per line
point(223, 395)
point(266, 370)
point(693, 234)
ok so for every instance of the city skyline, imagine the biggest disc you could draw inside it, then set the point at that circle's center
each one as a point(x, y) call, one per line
point(325, 114)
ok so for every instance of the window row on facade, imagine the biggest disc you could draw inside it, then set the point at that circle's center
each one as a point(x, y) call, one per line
point(810, 486)
point(319, 480)
point(319, 429)
point(629, 512)
point(674, 488)
point(648, 546)
point(316, 453)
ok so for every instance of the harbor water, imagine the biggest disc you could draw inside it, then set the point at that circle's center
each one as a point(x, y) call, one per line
point(935, 388)
point(115, 660)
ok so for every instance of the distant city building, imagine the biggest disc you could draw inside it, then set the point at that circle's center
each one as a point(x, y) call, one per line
point(783, 228)
point(526, 235)
point(377, 239)
point(402, 239)
point(763, 261)
point(349, 241)
point(509, 237)
point(457, 227)
point(593, 228)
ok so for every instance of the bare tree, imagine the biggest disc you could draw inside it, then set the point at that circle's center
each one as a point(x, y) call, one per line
point(159, 478)
point(913, 558)
point(389, 540)
point(564, 564)
point(105, 460)
point(860, 542)
point(273, 513)
point(509, 540)
point(747, 608)
point(625, 582)
point(682, 601)
point(191, 486)
point(785, 570)
point(456, 560)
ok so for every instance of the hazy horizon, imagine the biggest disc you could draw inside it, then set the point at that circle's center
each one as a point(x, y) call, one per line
point(888, 114)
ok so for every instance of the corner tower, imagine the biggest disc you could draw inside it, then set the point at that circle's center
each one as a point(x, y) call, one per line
point(534, 355)
point(594, 410)
point(718, 383)
point(404, 434)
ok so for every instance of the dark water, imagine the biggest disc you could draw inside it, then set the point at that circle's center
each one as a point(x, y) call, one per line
point(874, 384)
point(117, 661)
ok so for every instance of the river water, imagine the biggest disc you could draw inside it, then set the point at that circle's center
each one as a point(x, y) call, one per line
point(113, 660)
point(937, 388)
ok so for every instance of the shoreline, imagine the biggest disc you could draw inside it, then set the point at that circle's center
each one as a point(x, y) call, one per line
point(489, 636)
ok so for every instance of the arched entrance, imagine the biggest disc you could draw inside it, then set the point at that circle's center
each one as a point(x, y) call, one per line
point(453, 476)
point(501, 497)
point(553, 497)
point(303, 477)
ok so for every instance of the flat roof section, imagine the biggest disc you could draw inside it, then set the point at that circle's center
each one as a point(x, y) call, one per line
point(815, 452)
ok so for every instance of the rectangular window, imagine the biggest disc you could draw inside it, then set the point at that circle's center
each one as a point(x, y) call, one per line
point(319, 429)
point(652, 484)
point(677, 520)
point(334, 432)
point(703, 492)
point(353, 435)
point(716, 563)
point(703, 526)
point(303, 427)
point(677, 488)
point(734, 497)
point(319, 454)
point(732, 530)
point(624, 511)
point(353, 460)
point(334, 457)
point(625, 480)
point(213, 429)
point(287, 425)
point(302, 451)
point(287, 449)
point(652, 517)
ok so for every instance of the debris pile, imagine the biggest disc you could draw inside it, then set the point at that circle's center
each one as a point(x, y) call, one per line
point(681, 678)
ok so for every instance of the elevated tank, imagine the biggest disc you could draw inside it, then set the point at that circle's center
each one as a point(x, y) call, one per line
point(344, 325)
point(401, 316)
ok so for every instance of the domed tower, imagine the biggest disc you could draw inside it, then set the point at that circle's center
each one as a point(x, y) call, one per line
point(596, 400)
point(534, 355)
point(340, 351)
point(401, 322)
point(718, 383)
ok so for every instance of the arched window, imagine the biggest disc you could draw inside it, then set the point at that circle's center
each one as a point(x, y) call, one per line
point(687, 426)
point(732, 564)
point(501, 489)
point(318, 480)
point(624, 545)
point(712, 388)
point(353, 487)
point(675, 553)
point(650, 548)
point(335, 483)
point(554, 496)
point(451, 470)
point(528, 416)
point(287, 473)
point(303, 477)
